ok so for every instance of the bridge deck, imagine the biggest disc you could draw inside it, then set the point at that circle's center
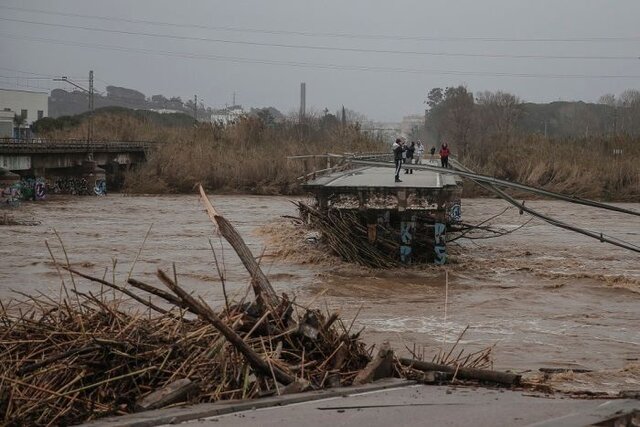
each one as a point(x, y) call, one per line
point(380, 179)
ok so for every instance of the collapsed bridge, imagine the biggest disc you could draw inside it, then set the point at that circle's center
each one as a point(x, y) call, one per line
point(407, 220)
point(368, 218)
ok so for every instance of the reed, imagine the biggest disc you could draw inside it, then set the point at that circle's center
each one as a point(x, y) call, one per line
point(248, 156)
point(584, 167)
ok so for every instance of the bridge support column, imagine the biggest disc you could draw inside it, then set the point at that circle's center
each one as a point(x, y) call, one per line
point(39, 172)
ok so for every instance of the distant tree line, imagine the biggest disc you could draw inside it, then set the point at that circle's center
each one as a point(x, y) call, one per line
point(454, 114)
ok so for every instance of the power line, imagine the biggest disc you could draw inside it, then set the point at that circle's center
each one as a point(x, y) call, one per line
point(334, 35)
point(312, 65)
point(51, 76)
point(324, 48)
point(26, 78)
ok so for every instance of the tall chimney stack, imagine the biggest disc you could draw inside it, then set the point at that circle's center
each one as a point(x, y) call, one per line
point(303, 100)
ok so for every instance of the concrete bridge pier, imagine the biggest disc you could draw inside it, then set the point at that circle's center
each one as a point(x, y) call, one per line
point(72, 167)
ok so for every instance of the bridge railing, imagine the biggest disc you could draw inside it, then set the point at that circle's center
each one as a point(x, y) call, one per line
point(71, 145)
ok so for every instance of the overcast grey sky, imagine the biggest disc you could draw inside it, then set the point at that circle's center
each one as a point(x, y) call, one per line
point(376, 57)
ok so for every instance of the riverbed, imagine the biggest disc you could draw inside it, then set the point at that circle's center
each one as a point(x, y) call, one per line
point(542, 296)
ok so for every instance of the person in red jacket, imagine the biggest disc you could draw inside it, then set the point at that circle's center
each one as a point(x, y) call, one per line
point(444, 155)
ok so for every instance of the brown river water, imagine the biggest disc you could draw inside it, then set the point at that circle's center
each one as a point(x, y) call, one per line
point(545, 297)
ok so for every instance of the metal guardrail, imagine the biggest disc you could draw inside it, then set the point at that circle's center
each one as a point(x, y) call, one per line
point(31, 146)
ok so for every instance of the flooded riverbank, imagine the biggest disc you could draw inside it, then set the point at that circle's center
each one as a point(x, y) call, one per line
point(545, 297)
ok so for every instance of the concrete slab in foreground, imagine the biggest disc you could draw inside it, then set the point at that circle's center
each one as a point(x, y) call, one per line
point(395, 403)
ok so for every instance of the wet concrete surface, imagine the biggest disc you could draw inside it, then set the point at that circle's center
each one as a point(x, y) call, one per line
point(388, 403)
point(431, 405)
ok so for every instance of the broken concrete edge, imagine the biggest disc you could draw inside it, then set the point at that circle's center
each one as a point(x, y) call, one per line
point(193, 412)
point(605, 414)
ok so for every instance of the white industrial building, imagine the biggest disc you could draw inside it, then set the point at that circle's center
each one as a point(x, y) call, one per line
point(228, 115)
point(30, 105)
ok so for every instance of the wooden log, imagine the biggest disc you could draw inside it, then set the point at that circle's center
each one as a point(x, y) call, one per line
point(120, 289)
point(206, 313)
point(176, 391)
point(157, 292)
point(380, 367)
point(259, 280)
point(296, 387)
point(506, 378)
point(334, 316)
point(434, 377)
point(72, 352)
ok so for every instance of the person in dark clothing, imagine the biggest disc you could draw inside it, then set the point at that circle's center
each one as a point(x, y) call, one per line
point(409, 156)
point(444, 155)
point(398, 148)
point(433, 151)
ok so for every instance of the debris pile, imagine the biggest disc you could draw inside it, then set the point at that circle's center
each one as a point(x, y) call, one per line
point(348, 237)
point(89, 355)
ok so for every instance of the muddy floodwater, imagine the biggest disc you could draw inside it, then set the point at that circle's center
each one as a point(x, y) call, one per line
point(543, 296)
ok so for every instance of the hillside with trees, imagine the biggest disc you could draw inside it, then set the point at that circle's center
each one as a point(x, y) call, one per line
point(454, 113)
point(63, 103)
point(589, 150)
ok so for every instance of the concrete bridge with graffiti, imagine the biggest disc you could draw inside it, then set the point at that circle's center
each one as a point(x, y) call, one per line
point(417, 211)
point(67, 166)
point(37, 154)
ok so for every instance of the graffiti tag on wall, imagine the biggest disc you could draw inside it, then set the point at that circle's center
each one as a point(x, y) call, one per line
point(454, 211)
point(100, 188)
point(407, 231)
point(26, 189)
point(38, 188)
point(70, 185)
point(11, 195)
point(440, 247)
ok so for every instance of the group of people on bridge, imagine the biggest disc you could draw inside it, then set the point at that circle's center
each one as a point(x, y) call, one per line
point(404, 153)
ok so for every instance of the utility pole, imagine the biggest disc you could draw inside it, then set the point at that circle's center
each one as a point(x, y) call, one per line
point(91, 91)
point(303, 101)
point(234, 98)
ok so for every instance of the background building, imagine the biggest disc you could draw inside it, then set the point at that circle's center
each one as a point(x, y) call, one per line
point(6, 123)
point(409, 123)
point(31, 106)
point(227, 115)
point(21, 108)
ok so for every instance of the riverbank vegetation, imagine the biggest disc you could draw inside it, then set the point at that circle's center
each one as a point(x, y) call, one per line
point(587, 150)
point(249, 155)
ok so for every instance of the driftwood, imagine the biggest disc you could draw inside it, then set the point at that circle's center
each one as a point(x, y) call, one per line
point(261, 285)
point(206, 313)
point(177, 391)
point(380, 367)
point(119, 289)
point(463, 373)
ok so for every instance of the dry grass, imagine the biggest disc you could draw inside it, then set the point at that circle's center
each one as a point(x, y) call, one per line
point(248, 156)
point(581, 167)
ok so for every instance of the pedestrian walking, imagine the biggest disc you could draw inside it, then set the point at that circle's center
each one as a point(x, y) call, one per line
point(409, 157)
point(398, 153)
point(444, 155)
point(419, 153)
point(433, 151)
